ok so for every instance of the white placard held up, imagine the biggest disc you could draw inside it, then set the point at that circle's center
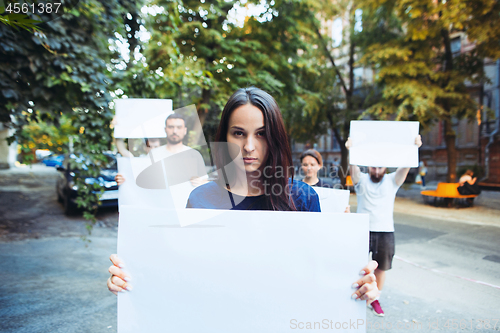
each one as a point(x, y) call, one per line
point(384, 143)
point(241, 271)
point(141, 117)
point(332, 200)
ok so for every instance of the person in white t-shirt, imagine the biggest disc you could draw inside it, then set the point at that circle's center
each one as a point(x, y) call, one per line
point(376, 192)
point(176, 130)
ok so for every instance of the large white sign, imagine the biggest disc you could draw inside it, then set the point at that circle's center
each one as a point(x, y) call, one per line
point(241, 271)
point(384, 143)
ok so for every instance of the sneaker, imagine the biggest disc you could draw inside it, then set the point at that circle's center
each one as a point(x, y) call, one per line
point(377, 309)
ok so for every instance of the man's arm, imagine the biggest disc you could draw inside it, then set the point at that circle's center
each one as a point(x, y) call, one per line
point(122, 149)
point(401, 173)
point(353, 169)
point(355, 172)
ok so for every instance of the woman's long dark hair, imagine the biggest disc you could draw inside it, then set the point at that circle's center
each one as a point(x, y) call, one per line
point(279, 153)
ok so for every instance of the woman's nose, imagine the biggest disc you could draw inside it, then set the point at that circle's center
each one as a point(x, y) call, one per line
point(249, 145)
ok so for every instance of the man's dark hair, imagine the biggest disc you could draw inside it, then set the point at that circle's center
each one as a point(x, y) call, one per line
point(175, 116)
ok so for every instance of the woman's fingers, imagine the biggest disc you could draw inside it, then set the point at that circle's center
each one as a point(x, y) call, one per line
point(366, 288)
point(367, 285)
point(115, 289)
point(369, 268)
point(119, 179)
point(116, 261)
point(113, 270)
point(118, 281)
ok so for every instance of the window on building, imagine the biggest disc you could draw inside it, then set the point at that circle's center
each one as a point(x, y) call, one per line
point(358, 20)
point(456, 45)
point(337, 32)
point(358, 77)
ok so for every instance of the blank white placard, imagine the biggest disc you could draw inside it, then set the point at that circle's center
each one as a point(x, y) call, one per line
point(384, 143)
point(240, 271)
point(332, 200)
point(141, 117)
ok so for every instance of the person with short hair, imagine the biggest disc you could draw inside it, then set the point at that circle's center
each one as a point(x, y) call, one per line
point(311, 162)
point(176, 130)
point(376, 192)
point(253, 157)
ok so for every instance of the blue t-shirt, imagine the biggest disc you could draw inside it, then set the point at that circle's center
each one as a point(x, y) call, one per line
point(322, 183)
point(212, 196)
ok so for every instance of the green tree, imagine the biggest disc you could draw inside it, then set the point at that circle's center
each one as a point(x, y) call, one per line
point(328, 96)
point(65, 67)
point(419, 75)
point(205, 56)
point(41, 135)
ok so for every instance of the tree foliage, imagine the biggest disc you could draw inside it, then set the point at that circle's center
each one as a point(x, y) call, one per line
point(63, 68)
point(420, 76)
point(42, 135)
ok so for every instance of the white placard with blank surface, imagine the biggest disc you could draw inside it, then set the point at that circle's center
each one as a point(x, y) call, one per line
point(240, 271)
point(384, 143)
point(332, 200)
point(141, 117)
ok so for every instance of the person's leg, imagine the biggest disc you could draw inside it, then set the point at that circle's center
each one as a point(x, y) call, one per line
point(423, 181)
point(380, 275)
point(382, 249)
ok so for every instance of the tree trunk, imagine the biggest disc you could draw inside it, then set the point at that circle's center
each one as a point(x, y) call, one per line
point(451, 151)
point(203, 109)
point(344, 165)
point(449, 133)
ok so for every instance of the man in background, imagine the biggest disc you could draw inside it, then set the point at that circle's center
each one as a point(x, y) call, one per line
point(376, 192)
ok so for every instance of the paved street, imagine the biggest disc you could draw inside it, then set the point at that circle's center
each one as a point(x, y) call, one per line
point(55, 283)
point(437, 275)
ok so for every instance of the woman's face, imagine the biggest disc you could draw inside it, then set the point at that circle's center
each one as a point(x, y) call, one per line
point(310, 166)
point(246, 130)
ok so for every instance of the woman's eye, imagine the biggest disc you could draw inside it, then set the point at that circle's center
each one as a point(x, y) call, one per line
point(261, 133)
point(237, 133)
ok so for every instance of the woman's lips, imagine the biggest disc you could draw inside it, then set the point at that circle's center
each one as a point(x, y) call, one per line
point(249, 160)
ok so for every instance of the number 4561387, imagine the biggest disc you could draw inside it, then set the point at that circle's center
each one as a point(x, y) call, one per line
point(38, 8)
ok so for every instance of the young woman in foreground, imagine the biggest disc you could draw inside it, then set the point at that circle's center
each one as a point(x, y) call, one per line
point(252, 135)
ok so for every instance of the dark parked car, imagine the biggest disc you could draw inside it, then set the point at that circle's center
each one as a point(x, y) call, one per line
point(53, 160)
point(67, 189)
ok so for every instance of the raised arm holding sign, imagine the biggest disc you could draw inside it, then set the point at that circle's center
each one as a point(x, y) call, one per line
point(376, 190)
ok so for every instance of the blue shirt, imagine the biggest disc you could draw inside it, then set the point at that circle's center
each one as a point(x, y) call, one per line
point(212, 196)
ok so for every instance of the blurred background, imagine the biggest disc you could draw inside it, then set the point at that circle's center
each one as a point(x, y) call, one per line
point(326, 62)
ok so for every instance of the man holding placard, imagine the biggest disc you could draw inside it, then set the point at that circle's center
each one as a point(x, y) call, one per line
point(176, 130)
point(376, 192)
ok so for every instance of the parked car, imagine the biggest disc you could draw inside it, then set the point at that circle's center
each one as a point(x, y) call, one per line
point(53, 160)
point(67, 189)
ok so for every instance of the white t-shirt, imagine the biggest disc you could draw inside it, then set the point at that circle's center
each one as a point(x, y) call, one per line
point(377, 199)
point(180, 168)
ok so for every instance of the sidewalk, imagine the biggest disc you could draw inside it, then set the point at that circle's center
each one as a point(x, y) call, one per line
point(486, 209)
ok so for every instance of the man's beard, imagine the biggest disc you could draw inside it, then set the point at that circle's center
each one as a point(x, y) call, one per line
point(376, 179)
point(173, 141)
